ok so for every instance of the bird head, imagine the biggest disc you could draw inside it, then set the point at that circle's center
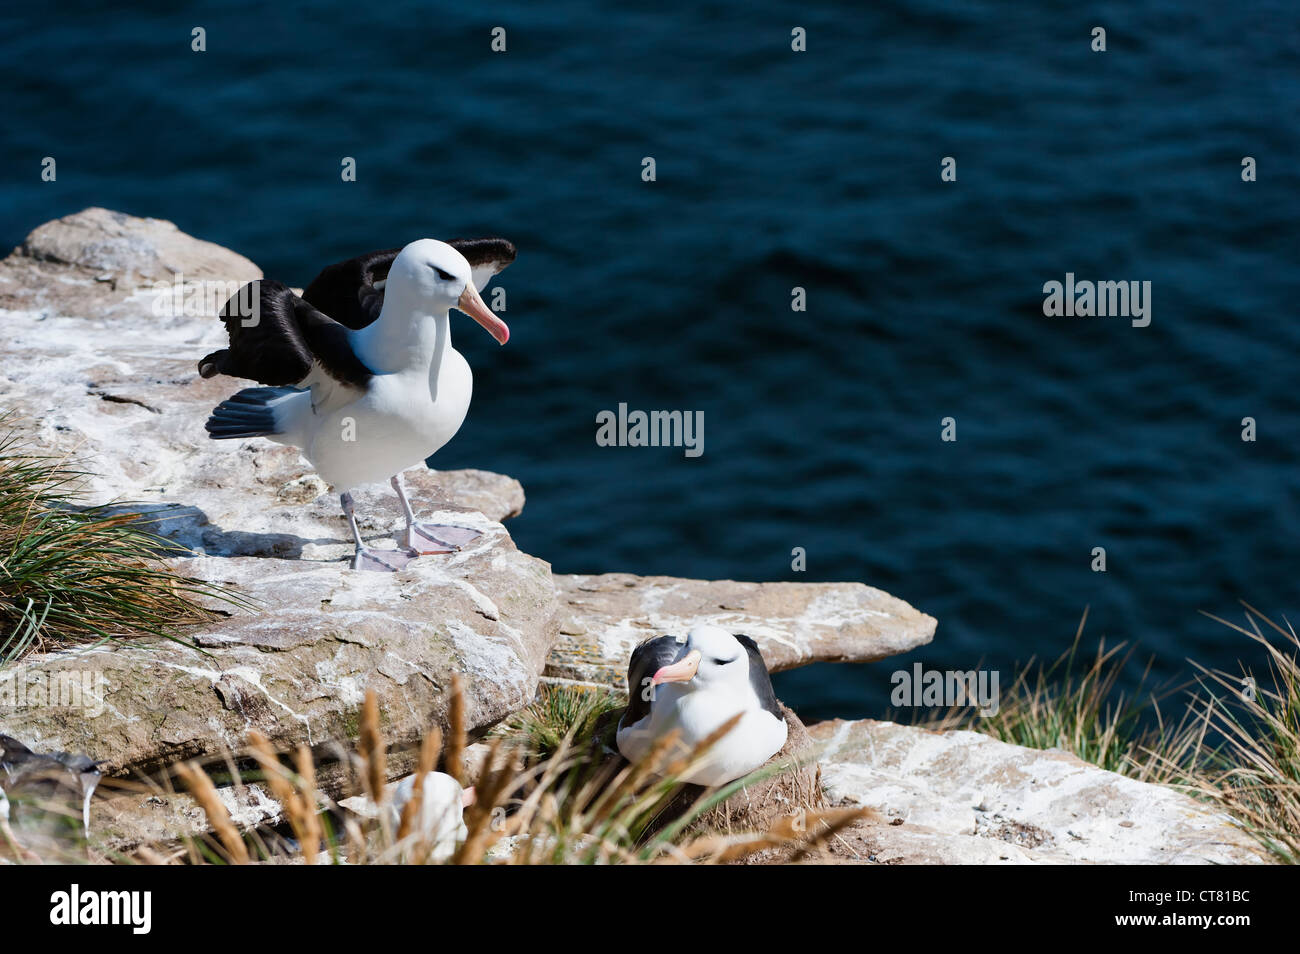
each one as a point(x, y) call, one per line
point(712, 659)
point(436, 274)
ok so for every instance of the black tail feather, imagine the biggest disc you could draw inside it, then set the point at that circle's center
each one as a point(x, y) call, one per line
point(258, 396)
point(249, 413)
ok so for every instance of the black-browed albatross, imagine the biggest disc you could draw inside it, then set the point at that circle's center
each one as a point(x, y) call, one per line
point(361, 374)
point(693, 686)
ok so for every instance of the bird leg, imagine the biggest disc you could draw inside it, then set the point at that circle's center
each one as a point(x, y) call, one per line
point(383, 561)
point(430, 537)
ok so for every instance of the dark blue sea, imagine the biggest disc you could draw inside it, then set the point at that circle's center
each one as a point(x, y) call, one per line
point(776, 169)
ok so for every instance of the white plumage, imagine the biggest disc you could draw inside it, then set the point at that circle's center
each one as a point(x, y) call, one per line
point(371, 399)
point(421, 389)
point(694, 686)
point(440, 821)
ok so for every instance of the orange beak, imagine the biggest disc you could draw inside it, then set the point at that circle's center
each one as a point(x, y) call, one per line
point(471, 303)
point(681, 671)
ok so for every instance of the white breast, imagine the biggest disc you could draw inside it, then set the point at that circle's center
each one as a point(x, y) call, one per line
point(758, 736)
point(399, 421)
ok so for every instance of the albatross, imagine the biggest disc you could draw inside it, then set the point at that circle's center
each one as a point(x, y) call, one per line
point(359, 373)
point(47, 795)
point(693, 686)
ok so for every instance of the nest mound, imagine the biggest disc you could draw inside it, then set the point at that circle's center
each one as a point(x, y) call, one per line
point(767, 804)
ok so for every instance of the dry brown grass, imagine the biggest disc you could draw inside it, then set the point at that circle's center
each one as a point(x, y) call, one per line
point(1073, 704)
point(1254, 773)
point(560, 809)
point(205, 793)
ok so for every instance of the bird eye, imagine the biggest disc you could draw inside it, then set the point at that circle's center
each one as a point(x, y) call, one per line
point(722, 662)
point(445, 276)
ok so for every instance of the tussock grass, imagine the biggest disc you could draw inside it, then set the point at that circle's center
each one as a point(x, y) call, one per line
point(71, 574)
point(1072, 703)
point(560, 712)
point(1235, 748)
point(1255, 773)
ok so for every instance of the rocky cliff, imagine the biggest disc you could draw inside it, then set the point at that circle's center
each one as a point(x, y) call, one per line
point(100, 366)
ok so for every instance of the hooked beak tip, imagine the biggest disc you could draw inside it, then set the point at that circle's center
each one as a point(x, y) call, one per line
point(471, 303)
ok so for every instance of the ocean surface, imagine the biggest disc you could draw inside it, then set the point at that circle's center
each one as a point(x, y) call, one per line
point(776, 169)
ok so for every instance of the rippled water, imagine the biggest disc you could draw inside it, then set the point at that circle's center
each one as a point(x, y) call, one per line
point(778, 169)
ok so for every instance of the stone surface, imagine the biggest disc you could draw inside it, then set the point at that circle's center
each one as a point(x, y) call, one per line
point(99, 371)
point(122, 823)
point(129, 247)
point(97, 264)
point(297, 669)
point(965, 798)
point(604, 617)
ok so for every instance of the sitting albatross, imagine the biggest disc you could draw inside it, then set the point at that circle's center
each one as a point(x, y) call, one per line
point(695, 685)
point(361, 374)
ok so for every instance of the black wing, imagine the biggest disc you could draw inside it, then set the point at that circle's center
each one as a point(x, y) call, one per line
point(275, 336)
point(647, 659)
point(759, 678)
point(346, 290)
point(486, 256)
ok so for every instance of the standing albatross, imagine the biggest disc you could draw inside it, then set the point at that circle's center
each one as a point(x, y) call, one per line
point(361, 374)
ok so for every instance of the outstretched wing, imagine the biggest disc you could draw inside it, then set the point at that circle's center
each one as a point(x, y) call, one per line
point(346, 290)
point(486, 256)
point(647, 659)
point(352, 292)
point(276, 337)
